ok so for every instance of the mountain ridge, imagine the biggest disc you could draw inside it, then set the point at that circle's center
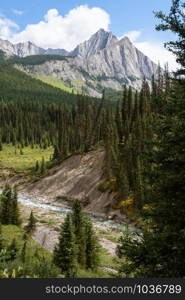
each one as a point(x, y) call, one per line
point(101, 62)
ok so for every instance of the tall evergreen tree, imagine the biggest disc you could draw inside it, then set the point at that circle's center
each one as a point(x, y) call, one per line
point(13, 249)
point(43, 166)
point(78, 221)
point(175, 23)
point(1, 238)
point(31, 226)
point(92, 248)
point(65, 252)
point(15, 215)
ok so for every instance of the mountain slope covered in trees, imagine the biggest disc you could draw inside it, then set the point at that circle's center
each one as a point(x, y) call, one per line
point(16, 85)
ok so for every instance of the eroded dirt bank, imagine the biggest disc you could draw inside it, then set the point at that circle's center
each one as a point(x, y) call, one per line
point(78, 177)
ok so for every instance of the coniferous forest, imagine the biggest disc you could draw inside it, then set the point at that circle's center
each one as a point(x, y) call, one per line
point(143, 137)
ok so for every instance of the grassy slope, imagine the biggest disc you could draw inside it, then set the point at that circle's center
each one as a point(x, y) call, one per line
point(10, 232)
point(58, 84)
point(12, 159)
point(17, 85)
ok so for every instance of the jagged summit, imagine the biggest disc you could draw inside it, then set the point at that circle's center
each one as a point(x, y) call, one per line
point(98, 41)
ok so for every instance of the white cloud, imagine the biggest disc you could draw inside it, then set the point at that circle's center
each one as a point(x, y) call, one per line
point(157, 53)
point(17, 12)
point(133, 35)
point(57, 31)
point(7, 28)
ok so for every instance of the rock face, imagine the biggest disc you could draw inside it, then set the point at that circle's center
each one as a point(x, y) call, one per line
point(99, 41)
point(101, 62)
point(27, 49)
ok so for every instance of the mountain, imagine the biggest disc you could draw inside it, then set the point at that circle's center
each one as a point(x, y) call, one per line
point(102, 62)
point(27, 49)
point(99, 41)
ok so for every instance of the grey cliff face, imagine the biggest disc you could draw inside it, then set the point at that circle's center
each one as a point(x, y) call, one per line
point(100, 40)
point(120, 60)
point(7, 47)
point(27, 49)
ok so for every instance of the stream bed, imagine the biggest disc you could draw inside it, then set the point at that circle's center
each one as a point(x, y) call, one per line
point(41, 203)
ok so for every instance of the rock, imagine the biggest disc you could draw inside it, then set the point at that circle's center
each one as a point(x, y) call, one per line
point(27, 49)
point(99, 41)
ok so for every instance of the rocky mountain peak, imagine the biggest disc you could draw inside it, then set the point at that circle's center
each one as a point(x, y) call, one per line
point(98, 41)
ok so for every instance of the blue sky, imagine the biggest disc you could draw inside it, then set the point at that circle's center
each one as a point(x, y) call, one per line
point(119, 16)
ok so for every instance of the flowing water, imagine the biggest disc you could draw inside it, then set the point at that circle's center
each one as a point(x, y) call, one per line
point(38, 202)
point(31, 200)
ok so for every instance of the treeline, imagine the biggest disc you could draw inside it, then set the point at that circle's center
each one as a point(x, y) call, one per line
point(129, 142)
point(159, 251)
point(68, 128)
point(34, 59)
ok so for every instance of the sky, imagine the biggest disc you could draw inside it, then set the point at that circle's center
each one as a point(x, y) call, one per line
point(66, 23)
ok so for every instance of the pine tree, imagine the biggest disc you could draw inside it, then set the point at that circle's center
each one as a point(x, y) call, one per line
point(31, 226)
point(1, 146)
point(78, 222)
point(92, 248)
point(65, 252)
point(15, 215)
point(23, 252)
point(37, 166)
point(56, 153)
point(6, 205)
point(1, 238)
point(175, 23)
point(13, 249)
point(43, 166)
point(21, 151)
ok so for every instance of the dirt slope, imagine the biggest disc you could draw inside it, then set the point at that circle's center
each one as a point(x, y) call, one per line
point(77, 177)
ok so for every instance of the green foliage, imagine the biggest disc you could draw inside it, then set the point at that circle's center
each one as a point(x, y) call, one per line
point(92, 248)
point(159, 251)
point(175, 23)
point(18, 259)
point(65, 252)
point(34, 59)
point(17, 85)
point(13, 249)
point(78, 220)
point(9, 212)
point(43, 167)
point(31, 226)
point(78, 247)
